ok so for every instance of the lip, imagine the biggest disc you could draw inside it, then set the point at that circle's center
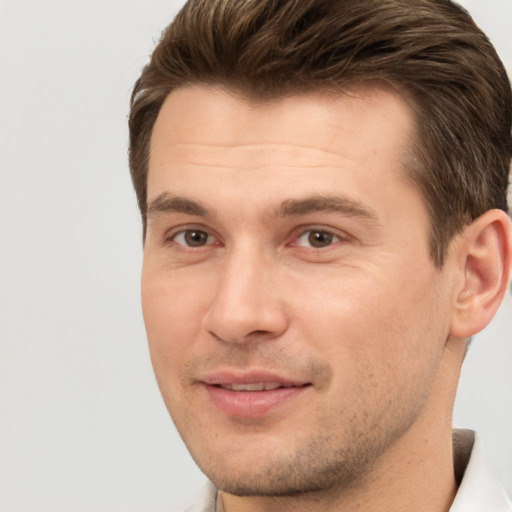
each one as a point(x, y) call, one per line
point(251, 404)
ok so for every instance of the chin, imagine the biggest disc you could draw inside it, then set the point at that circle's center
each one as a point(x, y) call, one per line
point(306, 471)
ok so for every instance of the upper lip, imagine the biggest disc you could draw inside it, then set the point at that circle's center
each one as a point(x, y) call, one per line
point(227, 377)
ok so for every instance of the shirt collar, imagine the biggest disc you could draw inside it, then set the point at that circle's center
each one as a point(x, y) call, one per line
point(479, 487)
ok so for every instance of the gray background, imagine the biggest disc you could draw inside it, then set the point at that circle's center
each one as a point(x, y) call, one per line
point(82, 425)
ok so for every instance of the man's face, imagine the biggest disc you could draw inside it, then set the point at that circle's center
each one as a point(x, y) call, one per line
point(295, 320)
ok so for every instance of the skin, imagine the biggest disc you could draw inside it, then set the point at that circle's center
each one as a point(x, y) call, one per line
point(309, 260)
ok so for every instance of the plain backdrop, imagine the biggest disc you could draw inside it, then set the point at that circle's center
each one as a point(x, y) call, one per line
point(82, 424)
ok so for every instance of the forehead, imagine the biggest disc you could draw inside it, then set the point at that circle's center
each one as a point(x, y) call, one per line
point(233, 120)
point(208, 135)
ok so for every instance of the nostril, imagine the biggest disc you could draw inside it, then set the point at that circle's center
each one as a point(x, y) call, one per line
point(253, 336)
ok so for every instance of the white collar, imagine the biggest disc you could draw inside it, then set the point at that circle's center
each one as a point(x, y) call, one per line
point(479, 490)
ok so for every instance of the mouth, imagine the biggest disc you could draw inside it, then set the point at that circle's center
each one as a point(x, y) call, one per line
point(252, 396)
point(258, 386)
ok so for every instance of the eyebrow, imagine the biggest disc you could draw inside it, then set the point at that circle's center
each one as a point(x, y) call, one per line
point(166, 203)
point(334, 203)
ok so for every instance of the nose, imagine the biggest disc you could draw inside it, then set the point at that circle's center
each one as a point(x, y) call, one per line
point(248, 303)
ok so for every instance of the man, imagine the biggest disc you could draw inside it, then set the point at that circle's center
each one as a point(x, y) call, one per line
point(323, 193)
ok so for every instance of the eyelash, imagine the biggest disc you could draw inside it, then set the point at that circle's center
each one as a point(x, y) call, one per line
point(171, 238)
point(308, 234)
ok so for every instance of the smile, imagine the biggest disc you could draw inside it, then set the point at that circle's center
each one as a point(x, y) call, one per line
point(251, 397)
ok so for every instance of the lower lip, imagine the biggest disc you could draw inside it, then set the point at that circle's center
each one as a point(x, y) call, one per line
point(251, 404)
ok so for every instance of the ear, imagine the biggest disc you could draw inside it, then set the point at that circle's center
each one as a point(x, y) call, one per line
point(484, 256)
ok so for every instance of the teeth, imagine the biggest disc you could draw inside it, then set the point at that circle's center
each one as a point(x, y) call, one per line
point(256, 386)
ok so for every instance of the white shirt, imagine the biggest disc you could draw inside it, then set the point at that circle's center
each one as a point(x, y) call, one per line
point(479, 489)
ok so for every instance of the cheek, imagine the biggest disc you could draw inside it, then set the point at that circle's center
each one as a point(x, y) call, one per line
point(372, 327)
point(383, 357)
point(172, 312)
point(171, 306)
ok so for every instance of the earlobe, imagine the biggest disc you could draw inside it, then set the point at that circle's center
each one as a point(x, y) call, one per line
point(485, 260)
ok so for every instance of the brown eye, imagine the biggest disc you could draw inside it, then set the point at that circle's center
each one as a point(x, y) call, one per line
point(192, 238)
point(320, 238)
point(317, 239)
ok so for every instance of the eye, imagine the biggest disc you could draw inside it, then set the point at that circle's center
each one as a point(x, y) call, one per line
point(193, 238)
point(317, 238)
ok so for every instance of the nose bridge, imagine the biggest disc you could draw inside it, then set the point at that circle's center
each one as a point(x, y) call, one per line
point(246, 304)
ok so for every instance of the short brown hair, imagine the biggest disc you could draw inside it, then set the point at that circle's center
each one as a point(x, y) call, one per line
point(431, 51)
